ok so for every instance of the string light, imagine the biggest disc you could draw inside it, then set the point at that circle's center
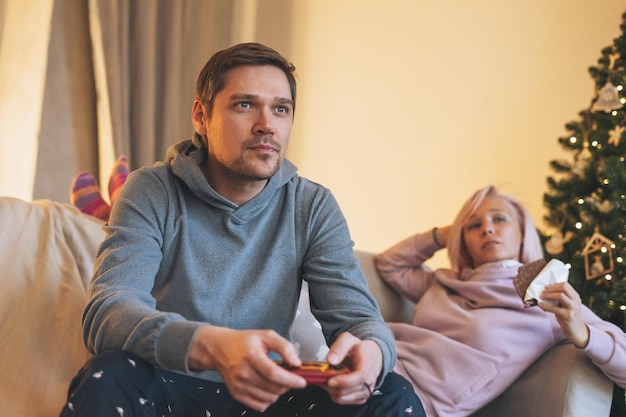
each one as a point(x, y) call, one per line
point(579, 225)
point(573, 139)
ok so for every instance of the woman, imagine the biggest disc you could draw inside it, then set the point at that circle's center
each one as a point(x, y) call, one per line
point(471, 336)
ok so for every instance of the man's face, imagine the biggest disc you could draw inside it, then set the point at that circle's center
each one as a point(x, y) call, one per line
point(250, 123)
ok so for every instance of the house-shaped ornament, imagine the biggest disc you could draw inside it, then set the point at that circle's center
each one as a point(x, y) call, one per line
point(598, 254)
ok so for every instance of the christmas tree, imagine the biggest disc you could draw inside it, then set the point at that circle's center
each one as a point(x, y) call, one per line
point(586, 198)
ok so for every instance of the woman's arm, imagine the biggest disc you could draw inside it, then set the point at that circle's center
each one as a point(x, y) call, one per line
point(603, 342)
point(401, 265)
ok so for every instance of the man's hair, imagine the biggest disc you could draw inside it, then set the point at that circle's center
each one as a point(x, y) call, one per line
point(457, 252)
point(212, 78)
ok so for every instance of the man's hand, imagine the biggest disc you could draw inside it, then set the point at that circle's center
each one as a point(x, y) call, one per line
point(365, 361)
point(240, 356)
point(567, 311)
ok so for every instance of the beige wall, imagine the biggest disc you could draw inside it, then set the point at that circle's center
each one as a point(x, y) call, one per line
point(406, 107)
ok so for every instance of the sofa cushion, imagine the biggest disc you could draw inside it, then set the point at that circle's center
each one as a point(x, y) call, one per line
point(307, 331)
point(46, 256)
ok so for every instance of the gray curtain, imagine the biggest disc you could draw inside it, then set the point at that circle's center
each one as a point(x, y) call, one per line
point(120, 80)
point(68, 115)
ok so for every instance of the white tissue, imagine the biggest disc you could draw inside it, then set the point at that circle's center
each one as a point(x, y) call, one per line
point(553, 273)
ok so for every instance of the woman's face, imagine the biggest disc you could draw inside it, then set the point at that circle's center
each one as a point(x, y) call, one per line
point(493, 232)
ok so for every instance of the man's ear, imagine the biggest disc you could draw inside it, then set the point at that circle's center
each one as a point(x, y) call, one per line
point(197, 117)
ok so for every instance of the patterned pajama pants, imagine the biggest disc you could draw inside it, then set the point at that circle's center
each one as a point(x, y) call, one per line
point(120, 384)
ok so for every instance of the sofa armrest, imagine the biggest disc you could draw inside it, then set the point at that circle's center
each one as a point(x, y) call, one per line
point(561, 383)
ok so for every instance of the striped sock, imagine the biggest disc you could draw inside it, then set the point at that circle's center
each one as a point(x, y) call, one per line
point(85, 194)
point(118, 176)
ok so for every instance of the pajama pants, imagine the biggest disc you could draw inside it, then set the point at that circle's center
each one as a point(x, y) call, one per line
point(120, 384)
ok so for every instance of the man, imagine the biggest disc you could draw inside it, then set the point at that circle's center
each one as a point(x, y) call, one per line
point(197, 282)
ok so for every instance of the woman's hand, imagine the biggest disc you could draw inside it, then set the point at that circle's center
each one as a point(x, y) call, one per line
point(441, 235)
point(566, 308)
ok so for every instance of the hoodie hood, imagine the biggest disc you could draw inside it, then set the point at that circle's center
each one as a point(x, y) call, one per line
point(185, 159)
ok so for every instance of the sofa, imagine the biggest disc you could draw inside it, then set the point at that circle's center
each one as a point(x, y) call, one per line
point(46, 261)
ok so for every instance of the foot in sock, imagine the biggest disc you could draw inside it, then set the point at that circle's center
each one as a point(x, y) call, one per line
point(85, 194)
point(118, 176)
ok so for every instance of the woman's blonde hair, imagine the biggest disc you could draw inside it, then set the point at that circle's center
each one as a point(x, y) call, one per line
point(530, 249)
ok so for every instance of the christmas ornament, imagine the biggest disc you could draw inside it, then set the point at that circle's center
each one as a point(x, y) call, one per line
point(608, 99)
point(557, 241)
point(615, 135)
point(598, 254)
point(603, 206)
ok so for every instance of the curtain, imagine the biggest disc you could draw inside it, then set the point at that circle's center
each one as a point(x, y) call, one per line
point(147, 55)
point(84, 81)
point(23, 57)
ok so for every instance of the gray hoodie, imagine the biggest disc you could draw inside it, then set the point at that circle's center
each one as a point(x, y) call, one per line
point(178, 255)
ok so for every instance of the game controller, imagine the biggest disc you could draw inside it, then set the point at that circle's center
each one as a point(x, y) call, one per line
point(316, 373)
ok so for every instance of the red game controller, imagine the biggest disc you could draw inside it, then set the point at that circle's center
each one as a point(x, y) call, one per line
point(316, 373)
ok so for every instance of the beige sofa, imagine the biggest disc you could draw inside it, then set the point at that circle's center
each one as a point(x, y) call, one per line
point(46, 260)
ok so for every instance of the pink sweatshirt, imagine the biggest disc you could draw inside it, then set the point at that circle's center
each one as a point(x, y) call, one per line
point(471, 337)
